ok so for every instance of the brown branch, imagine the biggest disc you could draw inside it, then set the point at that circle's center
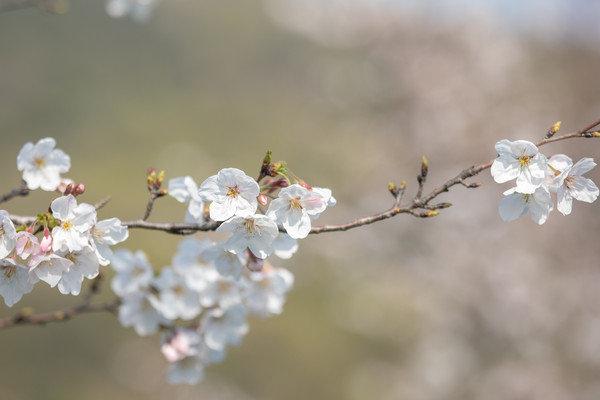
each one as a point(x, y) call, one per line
point(21, 191)
point(25, 317)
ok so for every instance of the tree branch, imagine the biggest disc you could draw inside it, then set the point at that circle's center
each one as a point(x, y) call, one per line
point(21, 191)
point(46, 5)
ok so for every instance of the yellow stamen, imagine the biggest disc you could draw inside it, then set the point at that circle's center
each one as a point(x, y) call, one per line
point(233, 191)
point(66, 225)
point(524, 161)
point(9, 271)
point(39, 162)
point(250, 225)
point(295, 203)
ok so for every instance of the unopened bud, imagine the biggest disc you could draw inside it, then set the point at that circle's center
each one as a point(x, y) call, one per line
point(254, 263)
point(553, 129)
point(393, 189)
point(424, 166)
point(262, 199)
point(596, 134)
point(429, 214)
point(78, 189)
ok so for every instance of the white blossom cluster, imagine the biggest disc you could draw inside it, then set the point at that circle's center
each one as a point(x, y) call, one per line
point(72, 243)
point(202, 301)
point(536, 177)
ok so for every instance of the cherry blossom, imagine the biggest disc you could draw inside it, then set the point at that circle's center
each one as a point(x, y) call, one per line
point(185, 190)
point(42, 164)
point(232, 193)
point(133, 272)
point(226, 263)
point(221, 328)
point(222, 292)
point(522, 161)
point(515, 204)
point(137, 311)
point(104, 234)
point(175, 298)
point(569, 183)
point(180, 344)
point(294, 207)
point(8, 234)
point(75, 222)
point(285, 246)
point(256, 232)
point(85, 265)
point(50, 267)
point(15, 281)
point(264, 292)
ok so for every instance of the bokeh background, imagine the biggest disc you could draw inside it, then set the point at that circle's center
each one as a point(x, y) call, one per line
point(351, 94)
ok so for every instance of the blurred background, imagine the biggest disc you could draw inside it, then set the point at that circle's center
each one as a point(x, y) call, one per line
point(351, 94)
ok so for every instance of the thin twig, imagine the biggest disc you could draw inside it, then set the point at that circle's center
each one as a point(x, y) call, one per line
point(21, 191)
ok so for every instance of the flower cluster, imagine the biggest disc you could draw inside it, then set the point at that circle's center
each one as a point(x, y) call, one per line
point(536, 177)
point(202, 301)
point(61, 247)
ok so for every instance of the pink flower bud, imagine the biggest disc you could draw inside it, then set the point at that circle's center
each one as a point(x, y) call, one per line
point(305, 185)
point(27, 244)
point(78, 189)
point(262, 199)
point(254, 263)
point(46, 243)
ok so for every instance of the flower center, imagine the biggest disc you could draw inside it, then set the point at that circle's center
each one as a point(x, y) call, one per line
point(2, 232)
point(295, 203)
point(569, 182)
point(526, 197)
point(66, 225)
point(524, 160)
point(233, 191)
point(224, 286)
point(39, 162)
point(9, 271)
point(178, 290)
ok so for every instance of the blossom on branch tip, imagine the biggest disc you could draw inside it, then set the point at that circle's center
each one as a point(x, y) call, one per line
point(42, 164)
point(232, 193)
point(515, 204)
point(256, 232)
point(569, 183)
point(294, 208)
point(184, 190)
point(522, 161)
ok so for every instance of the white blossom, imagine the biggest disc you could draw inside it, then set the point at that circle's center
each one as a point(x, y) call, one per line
point(50, 267)
point(104, 234)
point(175, 298)
point(256, 232)
point(189, 370)
point(72, 234)
point(222, 292)
point(185, 190)
point(15, 281)
point(231, 192)
point(285, 246)
point(294, 208)
point(189, 263)
point(137, 311)
point(264, 292)
point(328, 198)
point(221, 328)
point(522, 161)
point(133, 272)
point(85, 265)
point(42, 164)
point(514, 205)
point(569, 183)
point(8, 234)
point(225, 262)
